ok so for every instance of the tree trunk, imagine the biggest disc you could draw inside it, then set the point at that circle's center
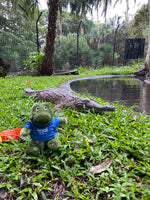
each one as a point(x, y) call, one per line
point(4, 68)
point(60, 23)
point(127, 18)
point(47, 67)
point(127, 11)
point(114, 45)
point(78, 29)
point(147, 59)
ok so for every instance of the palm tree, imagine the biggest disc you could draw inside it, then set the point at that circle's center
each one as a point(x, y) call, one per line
point(126, 14)
point(105, 4)
point(31, 10)
point(48, 59)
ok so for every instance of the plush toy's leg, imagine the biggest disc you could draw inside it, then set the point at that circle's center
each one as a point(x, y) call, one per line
point(54, 144)
point(34, 148)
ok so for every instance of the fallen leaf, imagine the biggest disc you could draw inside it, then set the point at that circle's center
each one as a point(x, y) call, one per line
point(76, 148)
point(23, 180)
point(72, 178)
point(59, 190)
point(101, 167)
point(28, 82)
point(89, 140)
point(138, 179)
point(3, 193)
point(86, 139)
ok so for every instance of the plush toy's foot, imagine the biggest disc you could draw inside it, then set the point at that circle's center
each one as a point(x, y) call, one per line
point(34, 148)
point(53, 144)
point(33, 151)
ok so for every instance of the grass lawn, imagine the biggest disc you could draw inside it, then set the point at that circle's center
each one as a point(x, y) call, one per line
point(119, 140)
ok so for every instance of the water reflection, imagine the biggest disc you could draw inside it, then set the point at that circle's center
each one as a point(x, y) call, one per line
point(127, 91)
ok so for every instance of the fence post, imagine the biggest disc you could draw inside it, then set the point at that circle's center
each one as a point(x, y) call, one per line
point(78, 42)
point(37, 32)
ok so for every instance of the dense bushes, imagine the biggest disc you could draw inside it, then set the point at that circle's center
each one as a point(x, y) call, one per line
point(66, 51)
point(14, 49)
point(103, 55)
point(17, 35)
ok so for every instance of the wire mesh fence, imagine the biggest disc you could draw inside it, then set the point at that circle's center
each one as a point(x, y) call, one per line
point(13, 51)
point(70, 52)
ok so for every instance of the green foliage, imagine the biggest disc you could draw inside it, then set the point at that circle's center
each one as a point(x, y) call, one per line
point(34, 61)
point(140, 22)
point(11, 51)
point(82, 69)
point(139, 26)
point(103, 55)
point(99, 39)
point(70, 23)
point(66, 51)
point(122, 135)
point(17, 35)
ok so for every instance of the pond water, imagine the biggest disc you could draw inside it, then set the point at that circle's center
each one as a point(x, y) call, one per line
point(124, 90)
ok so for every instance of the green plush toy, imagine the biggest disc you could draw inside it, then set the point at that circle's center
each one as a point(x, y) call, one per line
point(42, 129)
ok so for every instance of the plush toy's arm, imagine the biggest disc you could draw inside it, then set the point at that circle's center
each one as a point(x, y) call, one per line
point(25, 131)
point(62, 121)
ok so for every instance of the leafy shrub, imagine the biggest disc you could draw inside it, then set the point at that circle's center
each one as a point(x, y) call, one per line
point(34, 61)
point(82, 69)
point(103, 56)
point(66, 51)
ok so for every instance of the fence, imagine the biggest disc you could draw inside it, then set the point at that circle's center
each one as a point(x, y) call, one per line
point(69, 52)
point(13, 51)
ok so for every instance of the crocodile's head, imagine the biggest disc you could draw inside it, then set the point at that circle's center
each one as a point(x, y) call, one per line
point(88, 104)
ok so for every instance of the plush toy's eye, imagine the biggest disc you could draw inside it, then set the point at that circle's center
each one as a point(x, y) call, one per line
point(45, 107)
point(37, 108)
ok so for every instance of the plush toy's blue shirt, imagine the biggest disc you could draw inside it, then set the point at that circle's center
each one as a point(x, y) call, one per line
point(40, 133)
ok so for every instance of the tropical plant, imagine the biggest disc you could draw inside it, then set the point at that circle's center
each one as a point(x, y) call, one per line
point(79, 7)
point(34, 61)
point(126, 14)
point(76, 6)
point(103, 55)
point(17, 36)
point(139, 23)
point(48, 61)
point(66, 51)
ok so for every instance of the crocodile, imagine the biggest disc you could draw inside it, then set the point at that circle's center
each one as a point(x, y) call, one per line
point(63, 98)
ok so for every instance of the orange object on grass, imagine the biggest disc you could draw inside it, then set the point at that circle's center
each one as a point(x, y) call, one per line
point(10, 134)
point(28, 82)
